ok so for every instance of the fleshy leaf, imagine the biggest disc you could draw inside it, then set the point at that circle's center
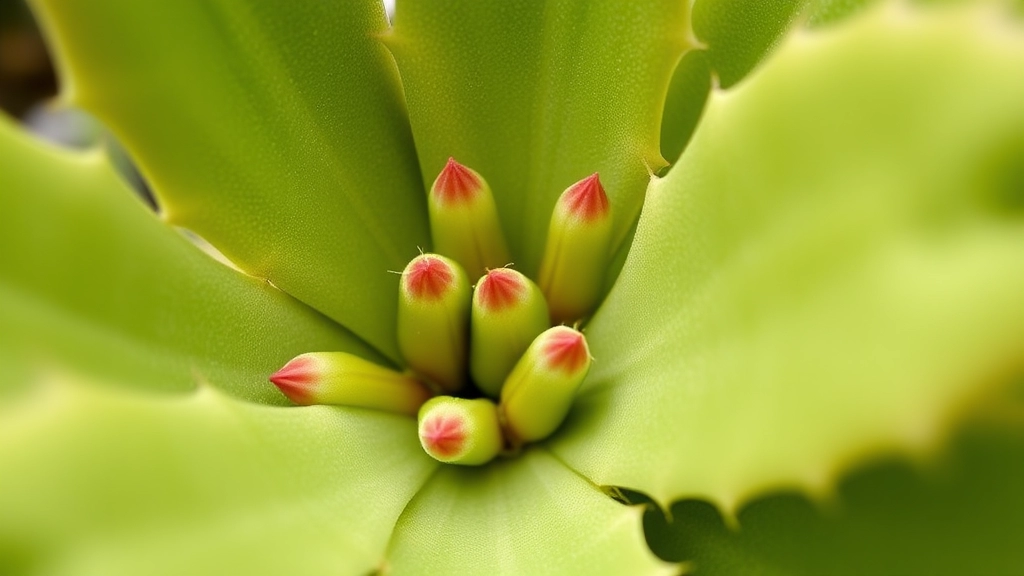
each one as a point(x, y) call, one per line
point(91, 278)
point(963, 515)
point(739, 33)
point(684, 103)
point(832, 269)
point(822, 12)
point(102, 482)
point(528, 515)
point(276, 131)
point(536, 96)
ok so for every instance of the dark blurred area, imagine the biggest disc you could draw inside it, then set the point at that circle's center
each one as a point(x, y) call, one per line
point(26, 72)
point(28, 85)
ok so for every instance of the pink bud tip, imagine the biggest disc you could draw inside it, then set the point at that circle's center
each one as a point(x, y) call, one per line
point(456, 183)
point(586, 199)
point(500, 288)
point(443, 435)
point(296, 378)
point(428, 278)
point(565, 350)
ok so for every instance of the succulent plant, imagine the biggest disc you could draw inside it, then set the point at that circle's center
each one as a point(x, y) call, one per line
point(815, 274)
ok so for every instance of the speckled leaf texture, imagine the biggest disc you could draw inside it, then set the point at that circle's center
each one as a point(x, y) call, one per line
point(961, 513)
point(829, 273)
point(92, 279)
point(833, 268)
point(101, 483)
point(277, 132)
point(536, 96)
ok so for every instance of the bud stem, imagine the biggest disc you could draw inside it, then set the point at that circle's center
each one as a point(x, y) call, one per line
point(464, 221)
point(459, 431)
point(538, 393)
point(577, 251)
point(509, 311)
point(433, 320)
point(342, 379)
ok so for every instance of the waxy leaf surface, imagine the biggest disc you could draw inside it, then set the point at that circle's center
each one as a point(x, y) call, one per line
point(832, 269)
point(536, 96)
point(276, 131)
point(959, 514)
point(738, 33)
point(98, 481)
point(528, 515)
point(91, 279)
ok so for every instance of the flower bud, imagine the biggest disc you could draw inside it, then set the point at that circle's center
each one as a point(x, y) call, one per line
point(538, 393)
point(577, 252)
point(509, 311)
point(459, 431)
point(433, 320)
point(342, 379)
point(464, 220)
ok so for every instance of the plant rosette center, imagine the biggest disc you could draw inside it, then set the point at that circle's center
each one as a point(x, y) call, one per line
point(493, 364)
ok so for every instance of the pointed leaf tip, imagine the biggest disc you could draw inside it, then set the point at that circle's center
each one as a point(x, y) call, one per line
point(565, 349)
point(508, 312)
point(343, 379)
point(500, 288)
point(577, 251)
point(540, 390)
point(586, 199)
point(428, 277)
point(443, 434)
point(433, 320)
point(295, 379)
point(460, 431)
point(456, 183)
point(464, 220)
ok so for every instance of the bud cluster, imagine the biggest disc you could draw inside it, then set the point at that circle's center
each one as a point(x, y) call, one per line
point(496, 334)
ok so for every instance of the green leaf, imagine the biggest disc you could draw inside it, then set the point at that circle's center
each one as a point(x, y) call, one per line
point(91, 279)
point(536, 96)
point(687, 94)
point(739, 33)
point(961, 515)
point(528, 515)
point(100, 482)
point(823, 12)
point(276, 131)
point(832, 269)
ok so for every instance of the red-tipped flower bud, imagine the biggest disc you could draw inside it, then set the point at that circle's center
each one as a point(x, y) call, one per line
point(459, 431)
point(464, 220)
point(578, 251)
point(509, 311)
point(341, 379)
point(433, 319)
point(538, 393)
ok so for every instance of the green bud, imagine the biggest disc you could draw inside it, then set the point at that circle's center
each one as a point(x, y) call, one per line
point(459, 431)
point(578, 251)
point(433, 320)
point(538, 393)
point(341, 379)
point(509, 311)
point(464, 220)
